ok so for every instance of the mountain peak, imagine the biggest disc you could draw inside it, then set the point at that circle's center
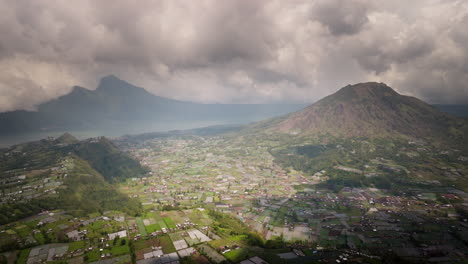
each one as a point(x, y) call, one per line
point(67, 138)
point(78, 89)
point(111, 78)
point(368, 110)
point(365, 90)
point(111, 83)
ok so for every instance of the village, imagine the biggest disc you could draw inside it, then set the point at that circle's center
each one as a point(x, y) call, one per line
point(196, 184)
point(243, 180)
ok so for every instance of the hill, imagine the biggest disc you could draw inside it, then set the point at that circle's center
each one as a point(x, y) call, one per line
point(118, 105)
point(103, 156)
point(64, 173)
point(371, 110)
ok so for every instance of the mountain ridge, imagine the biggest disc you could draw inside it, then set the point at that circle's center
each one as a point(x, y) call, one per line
point(116, 103)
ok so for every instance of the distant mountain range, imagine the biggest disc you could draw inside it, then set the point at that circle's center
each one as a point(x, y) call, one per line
point(120, 107)
point(370, 110)
point(456, 110)
point(116, 104)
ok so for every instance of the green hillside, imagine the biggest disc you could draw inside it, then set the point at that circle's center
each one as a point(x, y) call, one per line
point(107, 159)
point(65, 174)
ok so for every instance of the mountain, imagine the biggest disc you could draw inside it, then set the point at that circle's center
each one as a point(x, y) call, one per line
point(118, 105)
point(113, 100)
point(370, 110)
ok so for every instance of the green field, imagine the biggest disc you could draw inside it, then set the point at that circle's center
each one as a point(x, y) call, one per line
point(169, 222)
point(162, 224)
point(211, 253)
point(93, 255)
point(120, 249)
point(139, 245)
point(237, 255)
point(176, 236)
point(76, 245)
point(230, 241)
point(141, 226)
point(200, 218)
point(152, 228)
point(166, 244)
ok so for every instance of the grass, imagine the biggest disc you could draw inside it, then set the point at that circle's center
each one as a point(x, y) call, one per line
point(76, 245)
point(176, 236)
point(211, 253)
point(238, 238)
point(149, 215)
point(120, 250)
point(162, 224)
point(199, 218)
point(93, 255)
point(166, 244)
point(237, 255)
point(97, 225)
point(23, 230)
point(152, 228)
point(220, 242)
point(141, 226)
point(230, 241)
point(39, 238)
point(139, 245)
point(23, 256)
point(169, 222)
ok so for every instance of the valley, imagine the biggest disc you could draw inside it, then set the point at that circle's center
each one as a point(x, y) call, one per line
point(373, 205)
point(228, 198)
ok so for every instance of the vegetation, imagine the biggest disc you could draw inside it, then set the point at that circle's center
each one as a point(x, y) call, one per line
point(10, 212)
point(88, 192)
point(109, 161)
point(85, 188)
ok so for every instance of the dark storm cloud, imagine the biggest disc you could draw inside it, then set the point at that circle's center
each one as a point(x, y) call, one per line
point(341, 16)
point(233, 51)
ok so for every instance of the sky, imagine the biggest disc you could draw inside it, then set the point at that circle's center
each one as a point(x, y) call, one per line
point(224, 51)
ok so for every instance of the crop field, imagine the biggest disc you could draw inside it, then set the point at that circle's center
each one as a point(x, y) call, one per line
point(237, 255)
point(120, 249)
point(211, 253)
point(166, 244)
point(162, 224)
point(177, 236)
point(76, 245)
point(152, 228)
point(169, 222)
point(141, 226)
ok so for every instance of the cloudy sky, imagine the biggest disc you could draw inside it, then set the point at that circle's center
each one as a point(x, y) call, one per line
point(227, 51)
